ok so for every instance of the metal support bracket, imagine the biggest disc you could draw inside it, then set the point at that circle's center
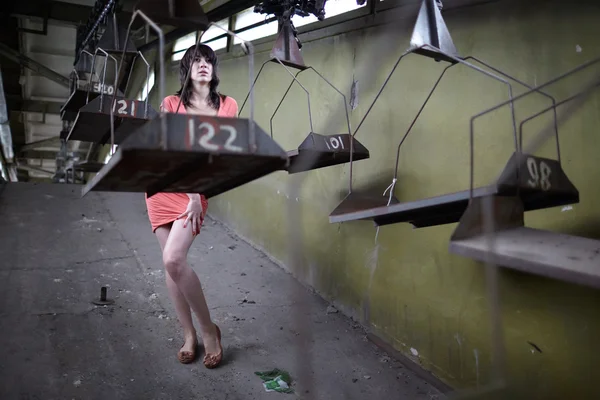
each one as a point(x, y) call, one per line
point(113, 38)
point(177, 13)
point(430, 29)
point(287, 46)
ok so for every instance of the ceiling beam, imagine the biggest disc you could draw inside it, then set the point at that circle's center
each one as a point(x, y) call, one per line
point(37, 154)
point(31, 168)
point(228, 9)
point(16, 103)
point(33, 65)
point(53, 10)
point(34, 154)
point(37, 106)
point(53, 141)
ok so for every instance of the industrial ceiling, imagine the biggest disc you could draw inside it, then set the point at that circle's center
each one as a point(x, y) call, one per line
point(38, 40)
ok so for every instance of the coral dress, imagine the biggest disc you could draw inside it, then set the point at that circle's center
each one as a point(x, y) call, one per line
point(164, 208)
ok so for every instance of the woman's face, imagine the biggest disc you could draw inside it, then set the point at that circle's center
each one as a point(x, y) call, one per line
point(202, 70)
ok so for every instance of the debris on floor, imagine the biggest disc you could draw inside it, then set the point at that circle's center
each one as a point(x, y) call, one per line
point(276, 380)
point(331, 310)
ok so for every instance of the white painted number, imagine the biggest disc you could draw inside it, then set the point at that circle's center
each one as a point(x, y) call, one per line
point(545, 181)
point(122, 110)
point(232, 135)
point(106, 89)
point(123, 105)
point(542, 181)
point(205, 139)
point(191, 131)
point(335, 142)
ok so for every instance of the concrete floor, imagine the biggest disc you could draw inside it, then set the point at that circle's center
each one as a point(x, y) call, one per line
point(57, 250)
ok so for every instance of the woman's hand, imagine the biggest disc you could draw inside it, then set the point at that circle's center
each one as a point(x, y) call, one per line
point(193, 213)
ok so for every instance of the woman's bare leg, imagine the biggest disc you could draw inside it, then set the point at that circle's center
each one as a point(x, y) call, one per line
point(175, 259)
point(184, 313)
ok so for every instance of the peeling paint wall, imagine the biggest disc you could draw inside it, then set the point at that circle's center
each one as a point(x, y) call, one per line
point(427, 303)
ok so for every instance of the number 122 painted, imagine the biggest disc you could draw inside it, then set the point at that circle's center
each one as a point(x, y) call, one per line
point(206, 139)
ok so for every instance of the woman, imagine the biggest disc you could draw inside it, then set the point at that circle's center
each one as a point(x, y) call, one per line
point(176, 218)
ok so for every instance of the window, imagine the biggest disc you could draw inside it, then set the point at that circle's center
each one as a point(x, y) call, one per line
point(214, 32)
point(182, 44)
point(332, 8)
point(249, 17)
point(187, 41)
point(3, 172)
point(109, 155)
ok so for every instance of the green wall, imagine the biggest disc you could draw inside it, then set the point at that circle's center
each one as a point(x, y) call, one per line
point(407, 287)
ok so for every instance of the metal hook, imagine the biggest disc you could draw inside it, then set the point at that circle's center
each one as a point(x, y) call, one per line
point(139, 53)
point(131, 71)
point(76, 81)
point(531, 88)
point(104, 74)
point(87, 95)
point(554, 107)
point(373, 103)
point(294, 79)
point(147, 84)
point(161, 83)
point(254, 83)
point(512, 100)
point(303, 88)
point(412, 124)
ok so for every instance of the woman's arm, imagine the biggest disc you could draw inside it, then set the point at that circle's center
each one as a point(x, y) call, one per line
point(234, 107)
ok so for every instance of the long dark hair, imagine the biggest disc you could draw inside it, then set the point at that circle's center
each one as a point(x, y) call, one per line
point(214, 97)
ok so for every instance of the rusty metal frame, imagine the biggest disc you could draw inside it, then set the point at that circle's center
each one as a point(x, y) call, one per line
point(489, 224)
point(161, 83)
point(428, 50)
point(116, 63)
point(295, 80)
point(102, 81)
point(182, 170)
point(285, 40)
point(511, 103)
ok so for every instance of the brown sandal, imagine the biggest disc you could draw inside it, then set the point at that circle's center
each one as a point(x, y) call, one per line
point(213, 360)
point(186, 357)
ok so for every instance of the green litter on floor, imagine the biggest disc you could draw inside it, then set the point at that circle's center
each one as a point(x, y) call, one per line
point(276, 380)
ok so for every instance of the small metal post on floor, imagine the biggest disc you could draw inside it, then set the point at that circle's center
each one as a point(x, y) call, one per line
point(103, 301)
